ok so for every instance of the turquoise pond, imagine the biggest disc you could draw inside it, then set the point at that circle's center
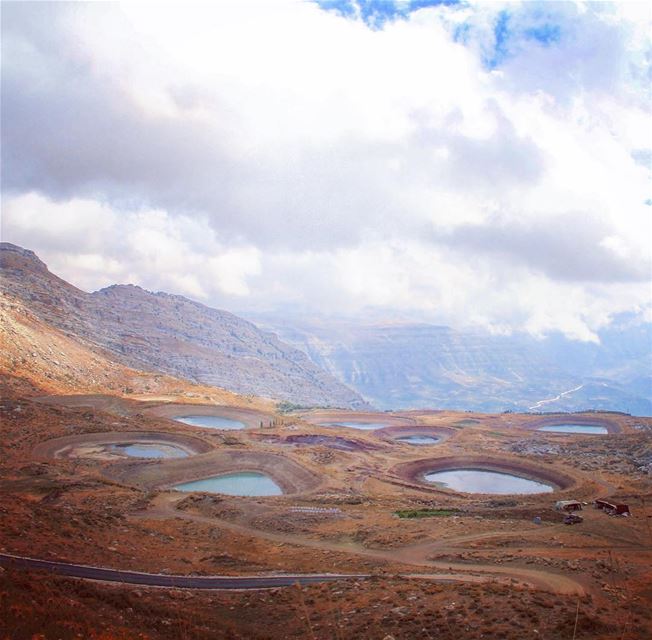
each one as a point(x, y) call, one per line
point(211, 422)
point(419, 440)
point(482, 481)
point(370, 426)
point(243, 483)
point(589, 429)
point(142, 450)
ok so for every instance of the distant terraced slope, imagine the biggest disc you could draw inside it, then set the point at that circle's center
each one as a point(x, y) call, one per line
point(402, 366)
point(170, 334)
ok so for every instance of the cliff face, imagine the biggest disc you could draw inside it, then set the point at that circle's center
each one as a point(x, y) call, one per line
point(406, 366)
point(170, 334)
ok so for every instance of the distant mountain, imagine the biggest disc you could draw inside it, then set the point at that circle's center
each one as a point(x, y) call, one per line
point(170, 334)
point(411, 365)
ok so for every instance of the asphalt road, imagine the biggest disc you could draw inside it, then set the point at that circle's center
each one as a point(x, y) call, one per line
point(159, 580)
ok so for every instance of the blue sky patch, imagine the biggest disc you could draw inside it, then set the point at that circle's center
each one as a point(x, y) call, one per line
point(511, 27)
point(502, 36)
point(546, 34)
point(376, 13)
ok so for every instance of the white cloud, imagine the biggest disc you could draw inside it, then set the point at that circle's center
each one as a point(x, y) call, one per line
point(279, 156)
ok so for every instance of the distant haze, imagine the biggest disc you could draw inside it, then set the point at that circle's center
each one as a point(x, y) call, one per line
point(405, 366)
point(482, 165)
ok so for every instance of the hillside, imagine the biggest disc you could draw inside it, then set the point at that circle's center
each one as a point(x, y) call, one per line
point(410, 365)
point(169, 334)
point(36, 358)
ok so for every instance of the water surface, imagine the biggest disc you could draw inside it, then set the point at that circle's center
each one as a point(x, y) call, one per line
point(242, 483)
point(211, 422)
point(141, 450)
point(593, 429)
point(481, 481)
point(419, 439)
point(356, 425)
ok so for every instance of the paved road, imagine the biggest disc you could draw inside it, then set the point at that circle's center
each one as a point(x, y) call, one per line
point(159, 580)
point(411, 555)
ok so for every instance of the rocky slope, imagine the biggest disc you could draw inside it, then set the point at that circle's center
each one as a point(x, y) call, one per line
point(169, 334)
point(37, 359)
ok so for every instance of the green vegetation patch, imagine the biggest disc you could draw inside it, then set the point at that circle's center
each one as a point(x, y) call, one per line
point(426, 513)
point(287, 407)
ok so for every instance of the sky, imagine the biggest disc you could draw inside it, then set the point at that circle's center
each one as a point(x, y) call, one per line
point(459, 163)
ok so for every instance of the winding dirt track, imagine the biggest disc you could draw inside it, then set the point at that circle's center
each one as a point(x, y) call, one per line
point(413, 555)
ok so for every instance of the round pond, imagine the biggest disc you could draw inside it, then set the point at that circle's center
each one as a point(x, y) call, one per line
point(145, 450)
point(419, 440)
point(211, 422)
point(587, 429)
point(484, 481)
point(242, 483)
point(367, 426)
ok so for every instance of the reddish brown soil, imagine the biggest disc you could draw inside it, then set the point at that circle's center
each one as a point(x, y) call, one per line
point(510, 578)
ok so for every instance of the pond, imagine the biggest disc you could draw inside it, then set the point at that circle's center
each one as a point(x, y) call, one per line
point(419, 440)
point(483, 481)
point(370, 426)
point(211, 422)
point(242, 483)
point(144, 450)
point(589, 429)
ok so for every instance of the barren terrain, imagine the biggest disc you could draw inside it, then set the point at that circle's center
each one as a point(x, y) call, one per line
point(466, 565)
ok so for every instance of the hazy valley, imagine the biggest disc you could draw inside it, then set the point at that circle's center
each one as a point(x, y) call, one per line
point(403, 366)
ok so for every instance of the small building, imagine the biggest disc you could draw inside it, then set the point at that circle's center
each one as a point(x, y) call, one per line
point(568, 505)
point(613, 508)
point(621, 509)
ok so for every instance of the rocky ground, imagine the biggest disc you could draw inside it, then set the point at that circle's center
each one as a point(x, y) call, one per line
point(507, 577)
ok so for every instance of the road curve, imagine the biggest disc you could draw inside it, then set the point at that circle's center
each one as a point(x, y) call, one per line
point(412, 555)
point(159, 580)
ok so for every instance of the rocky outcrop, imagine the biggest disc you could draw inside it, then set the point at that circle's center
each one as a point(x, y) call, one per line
point(170, 334)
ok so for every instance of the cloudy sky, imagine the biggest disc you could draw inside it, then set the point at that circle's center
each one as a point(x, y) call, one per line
point(459, 163)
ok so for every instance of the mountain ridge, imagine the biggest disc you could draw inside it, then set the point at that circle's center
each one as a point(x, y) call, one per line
point(407, 366)
point(171, 334)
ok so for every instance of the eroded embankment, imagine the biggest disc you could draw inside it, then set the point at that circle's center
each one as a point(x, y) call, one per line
point(289, 475)
point(67, 445)
point(415, 470)
point(250, 417)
